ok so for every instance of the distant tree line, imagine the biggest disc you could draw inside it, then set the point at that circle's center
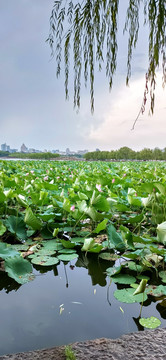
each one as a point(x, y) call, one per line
point(125, 153)
point(44, 155)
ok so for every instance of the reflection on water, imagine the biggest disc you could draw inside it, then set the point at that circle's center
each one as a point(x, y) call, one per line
point(67, 303)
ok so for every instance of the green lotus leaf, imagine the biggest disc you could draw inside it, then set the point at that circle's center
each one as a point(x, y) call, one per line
point(108, 256)
point(7, 251)
point(52, 245)
point(113, 270)
point(67, 251)
point(67, 257)
point(44, 260)
point(16, 226)
point(123, 279)
point(162, 274)
point(150, 323)
point(44, 251)
point(156, 291)
point(19, 269)
point(67, 244)
point(31, 220)
point(101, 226)
point(2, 228)
point(134, 267)
point(115, 239)
point(20, 247)
point(126, 296)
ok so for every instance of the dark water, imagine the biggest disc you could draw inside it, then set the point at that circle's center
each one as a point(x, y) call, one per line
point(30, 314)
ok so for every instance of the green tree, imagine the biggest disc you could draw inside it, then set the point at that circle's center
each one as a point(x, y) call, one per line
point(89, 29)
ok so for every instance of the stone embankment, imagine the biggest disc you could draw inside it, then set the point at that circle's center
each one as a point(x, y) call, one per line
point(145, 345)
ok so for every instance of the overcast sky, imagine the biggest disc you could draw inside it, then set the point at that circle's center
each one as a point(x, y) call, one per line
point(33, 109)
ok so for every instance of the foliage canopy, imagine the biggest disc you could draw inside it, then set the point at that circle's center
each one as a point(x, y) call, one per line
point(89, 29)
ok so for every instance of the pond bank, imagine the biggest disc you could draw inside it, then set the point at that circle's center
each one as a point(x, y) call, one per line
point(148, 345)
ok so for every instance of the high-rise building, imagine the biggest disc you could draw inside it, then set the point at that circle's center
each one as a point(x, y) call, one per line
point(24, 149)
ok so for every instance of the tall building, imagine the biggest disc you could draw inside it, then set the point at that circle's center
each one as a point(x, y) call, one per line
point(5, 147)
point(24, 149)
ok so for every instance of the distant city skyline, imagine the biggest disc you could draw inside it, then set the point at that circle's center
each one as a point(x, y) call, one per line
point(25, 149)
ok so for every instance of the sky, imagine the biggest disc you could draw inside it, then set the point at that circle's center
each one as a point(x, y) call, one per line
point(33, 109)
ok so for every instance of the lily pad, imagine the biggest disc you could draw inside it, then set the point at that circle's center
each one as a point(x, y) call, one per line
point(150, 323)
point(44, 260)
point(67, 251)
point(52, 245)
point(19, 269)
point(156, 291)
point(7, 251)
point(126, 296)
point(123, 279)
point(67, 257)
point(113, 270)
point(108, 256)
point(162, 274)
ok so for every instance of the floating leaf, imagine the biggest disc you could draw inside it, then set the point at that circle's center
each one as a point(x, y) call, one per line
point(113, 270)
point(108, 256)
point(67, 257)
point(67, 251)
point(150, 323)
point(7, 251)
point(52, 245)
point(19, 269)
point(162, 274)
point(67, 244)
point(123, 279)
point(44, 260)
point(156, 291)
point(126, 296)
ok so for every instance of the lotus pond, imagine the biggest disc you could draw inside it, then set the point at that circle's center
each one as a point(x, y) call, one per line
point(82, 251)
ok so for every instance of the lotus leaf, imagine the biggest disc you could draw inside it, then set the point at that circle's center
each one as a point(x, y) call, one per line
point(123, 279)
point(156, 291)
point(67, 251)
point(7, 251)
point(67, 244)
point(19, 269)
point(150, 323)
point(52, 245)
point(101, 226)
point(113, 270)
point(67, 257)
point(31, 220)
point(2, 228)
point(126, 296)
point(16, 226)
point(162, 274)
point(108, 256)
point(44, 260)
point(115, 239)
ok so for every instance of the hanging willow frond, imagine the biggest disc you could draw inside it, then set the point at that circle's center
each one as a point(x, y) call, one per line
point(88, 30)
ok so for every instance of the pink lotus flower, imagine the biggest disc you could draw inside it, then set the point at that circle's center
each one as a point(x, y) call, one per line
point(72, 208)
point(113, 180)
point(26, 174)
point(98, 187)
point(46, 178)
point(32, 171)
point(58, 177)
